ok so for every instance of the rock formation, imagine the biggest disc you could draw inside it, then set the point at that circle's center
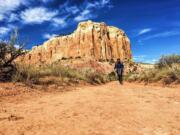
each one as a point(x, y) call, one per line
point(90, 40)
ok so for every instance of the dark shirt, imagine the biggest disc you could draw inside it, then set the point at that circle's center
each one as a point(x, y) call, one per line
point(119, 65)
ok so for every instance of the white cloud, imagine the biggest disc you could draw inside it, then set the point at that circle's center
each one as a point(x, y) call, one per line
point(139, 57)
point(59, 22)
point(104, 2)
point(12, 17)
point(84, 15)
point(7, 6)
point(10, 5)
point(143, 31)
point(67, 8)
point(4, 31)
point(99, 4)
point(46, 1)
point(72, 9)
point(145, 59)
point(90, 7)
point(37, 15)
point(17, 46)
point(48, 36)
point(163, 34)
point(1, 17)
point(151, 61)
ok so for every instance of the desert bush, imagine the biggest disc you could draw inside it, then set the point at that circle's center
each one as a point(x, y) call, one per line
point(57, 74)
point(30, 74)
point(8, 53)
point(131, 77)
point(168, 60)
point(60, 70)
point(112, 76)
point(165, 75)
point(98, 78)
point(111, 61)
point(166, 71)
point(26, 74)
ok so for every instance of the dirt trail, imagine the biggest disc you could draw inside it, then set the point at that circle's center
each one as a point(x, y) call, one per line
point(109, 109)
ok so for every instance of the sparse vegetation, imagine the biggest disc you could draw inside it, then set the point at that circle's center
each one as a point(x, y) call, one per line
point(168, 61)
point(43, 75)
point(58, 74)
point(9, 51)
point(166, 71)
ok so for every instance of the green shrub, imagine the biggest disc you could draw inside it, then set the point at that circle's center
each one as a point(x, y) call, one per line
point(131, 77)
point(167, 61)
point(166, 75)
point(8, 54)
point(26, 74)
point(112, 76)
point(97, 78)
point(167, 71)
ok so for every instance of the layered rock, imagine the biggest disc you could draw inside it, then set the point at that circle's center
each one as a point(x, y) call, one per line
point(90, 40)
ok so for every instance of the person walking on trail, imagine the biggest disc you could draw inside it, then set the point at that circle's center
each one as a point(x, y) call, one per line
point(119, 67)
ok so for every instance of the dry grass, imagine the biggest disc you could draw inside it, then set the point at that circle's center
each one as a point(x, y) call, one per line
point(58, 74)
point(166, 71)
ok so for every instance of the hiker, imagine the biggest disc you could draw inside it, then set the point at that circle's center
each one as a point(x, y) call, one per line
point(119, 67)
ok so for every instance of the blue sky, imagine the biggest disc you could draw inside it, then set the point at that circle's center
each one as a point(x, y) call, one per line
point(153, 26)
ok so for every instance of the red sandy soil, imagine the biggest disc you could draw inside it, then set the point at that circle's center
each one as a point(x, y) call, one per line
point(109, 109)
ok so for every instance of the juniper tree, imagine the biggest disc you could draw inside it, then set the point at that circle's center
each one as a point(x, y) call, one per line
point(9, 52)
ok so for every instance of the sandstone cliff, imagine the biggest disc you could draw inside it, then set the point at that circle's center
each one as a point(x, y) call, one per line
point(90, 40)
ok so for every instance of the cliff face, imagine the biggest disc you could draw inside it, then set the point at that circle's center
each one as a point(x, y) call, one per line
point(89, 41)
